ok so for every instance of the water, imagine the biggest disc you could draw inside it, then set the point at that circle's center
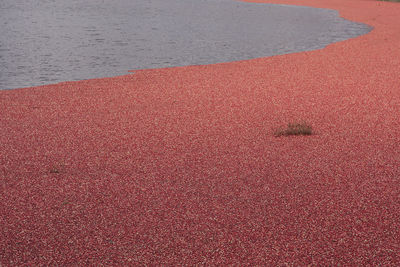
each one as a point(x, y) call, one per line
point(49, 41)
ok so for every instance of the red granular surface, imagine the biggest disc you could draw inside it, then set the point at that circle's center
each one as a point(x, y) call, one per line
point(180, 166)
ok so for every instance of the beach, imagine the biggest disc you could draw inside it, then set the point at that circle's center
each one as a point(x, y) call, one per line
point(180, 166)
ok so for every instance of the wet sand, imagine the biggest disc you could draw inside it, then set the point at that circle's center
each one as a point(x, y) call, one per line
point(180, 166)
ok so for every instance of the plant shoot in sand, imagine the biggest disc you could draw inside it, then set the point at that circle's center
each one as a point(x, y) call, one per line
point(294, 129)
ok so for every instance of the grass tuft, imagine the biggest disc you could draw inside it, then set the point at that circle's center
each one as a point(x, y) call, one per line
point(294, 129)
point(57, 168)
point(54, 169)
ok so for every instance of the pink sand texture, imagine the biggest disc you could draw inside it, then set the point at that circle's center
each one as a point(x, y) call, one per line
point(180, 166)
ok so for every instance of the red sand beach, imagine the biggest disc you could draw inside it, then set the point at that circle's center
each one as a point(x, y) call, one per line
point(180, 166)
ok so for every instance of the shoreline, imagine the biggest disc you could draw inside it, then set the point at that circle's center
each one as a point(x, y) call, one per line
point(181, 166)
point(183, 45)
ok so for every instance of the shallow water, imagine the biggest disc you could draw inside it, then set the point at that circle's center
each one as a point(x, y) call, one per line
point(49, 41)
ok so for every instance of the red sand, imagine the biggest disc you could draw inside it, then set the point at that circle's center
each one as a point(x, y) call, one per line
point(180, 166)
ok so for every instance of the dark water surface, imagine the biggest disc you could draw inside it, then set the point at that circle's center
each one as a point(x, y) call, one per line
point(49, 41)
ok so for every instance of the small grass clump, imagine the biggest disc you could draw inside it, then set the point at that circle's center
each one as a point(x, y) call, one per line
point(301, 128)
point(57, 168)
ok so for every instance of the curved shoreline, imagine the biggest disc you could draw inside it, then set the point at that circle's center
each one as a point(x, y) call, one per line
point(204, 33)
point(180, 166)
